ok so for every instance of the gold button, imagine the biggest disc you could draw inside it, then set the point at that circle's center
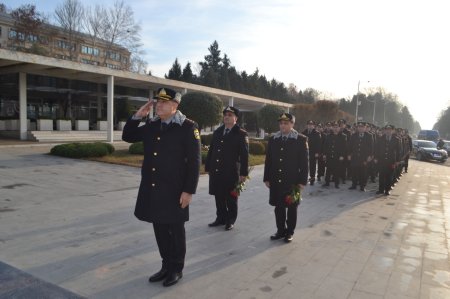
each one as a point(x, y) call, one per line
point(281, 148)
point(153, 169)
point(153, 185)
point(217, 160)
point(221, 141)
point(217, 170)
point(155, 154)
point(279, 170)
point(279, 181)
point(158, 138)
point(218, 150)
point(281, 159)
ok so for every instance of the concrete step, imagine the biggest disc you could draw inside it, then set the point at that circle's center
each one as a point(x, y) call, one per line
point(72, 136)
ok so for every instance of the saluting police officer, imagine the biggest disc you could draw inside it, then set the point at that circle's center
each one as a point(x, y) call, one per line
point(170, 173)
point(227, 165)
point(387, 156)
point(286, 166)
point(361, 151)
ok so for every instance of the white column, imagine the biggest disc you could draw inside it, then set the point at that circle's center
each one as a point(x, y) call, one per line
point(287, 109)
point(185, 91)
point(23, 105)
point(99, 102)
point(110, 109)
point(231, 102)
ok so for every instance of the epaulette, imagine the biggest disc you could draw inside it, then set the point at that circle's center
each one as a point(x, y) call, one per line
point(242, 131)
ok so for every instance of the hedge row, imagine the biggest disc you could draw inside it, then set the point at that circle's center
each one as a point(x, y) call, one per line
point(82, 150)
point(255, 148)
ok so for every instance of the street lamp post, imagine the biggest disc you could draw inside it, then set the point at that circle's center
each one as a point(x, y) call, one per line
point(357, 103)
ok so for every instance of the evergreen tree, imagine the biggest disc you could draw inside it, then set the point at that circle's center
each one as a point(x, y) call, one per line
point(175, 72)
point(187, 75)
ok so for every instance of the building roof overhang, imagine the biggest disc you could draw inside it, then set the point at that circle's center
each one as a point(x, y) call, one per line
point(16, 62)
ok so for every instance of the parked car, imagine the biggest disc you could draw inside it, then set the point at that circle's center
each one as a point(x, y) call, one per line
point(447, 146)
point(432, 135)
point(425, 150)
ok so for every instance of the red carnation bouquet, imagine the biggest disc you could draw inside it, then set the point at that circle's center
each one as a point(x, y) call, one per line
point(295, 197)
point(240, 186)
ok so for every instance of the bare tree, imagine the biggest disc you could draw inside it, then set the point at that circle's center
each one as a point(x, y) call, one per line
point(138, 65)
point(70, 15)
point(121, 29)
point(27, 21)
point(95, 23)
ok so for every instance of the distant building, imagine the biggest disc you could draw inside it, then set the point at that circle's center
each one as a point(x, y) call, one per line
point(54, 42)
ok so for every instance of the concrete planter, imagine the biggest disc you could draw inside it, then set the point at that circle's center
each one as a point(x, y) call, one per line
point(12, 125)
point(102, 125)
point(82, 125)
point(120, 125)
point(63, 125)
point(2, 125)
point(45, 124)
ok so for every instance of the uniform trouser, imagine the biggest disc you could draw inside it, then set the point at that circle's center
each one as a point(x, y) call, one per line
point(226, 208)
point(320, 167)
point(346, 171)
point(385, 178)
point(359, 175)
point(406, 162)
point(334, 168)
point(371, 170)
point(171, 240)
point(312, 166)
point(286, 224)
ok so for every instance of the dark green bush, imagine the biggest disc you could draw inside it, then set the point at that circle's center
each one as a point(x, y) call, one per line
point(206, 139)
point(204, 154)
point(256, 148)
point(82, 150)
point(136, 148)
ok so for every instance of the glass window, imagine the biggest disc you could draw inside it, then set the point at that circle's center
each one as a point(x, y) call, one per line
point(90, 50)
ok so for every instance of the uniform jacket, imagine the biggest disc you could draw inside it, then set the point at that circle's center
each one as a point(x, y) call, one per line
point(335, 146)
point(227, 159)
point(314, 141)
point(360, 148)
point(286, 165)
point(171, 166)
point(387, 153)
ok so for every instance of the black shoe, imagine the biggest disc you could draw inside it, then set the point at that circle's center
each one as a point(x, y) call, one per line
point(277, 236)
point(288, 238)
point(158, 276)
point(216, 223)
point(387, 193)
point(229, 226)
point(318, 179)
point(311, 183)
point(172, 278)
point(406, 170)
point(379, 192)
point(343, 182)
point(353, 187)
point(336, 186)
point(362, 189)
point(326, 185)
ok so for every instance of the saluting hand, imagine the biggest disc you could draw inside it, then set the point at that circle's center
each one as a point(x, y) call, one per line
point(185, 199)
point(145, 110)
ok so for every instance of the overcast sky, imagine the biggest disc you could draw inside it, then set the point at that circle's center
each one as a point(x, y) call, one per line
point(402, 46)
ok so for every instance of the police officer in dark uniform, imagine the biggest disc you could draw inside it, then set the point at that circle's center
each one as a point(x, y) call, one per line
point(227, 164)
point(286, 166)
point(314, 143)
point(334, 151)
point(346, 169)
point(408, 141)
point(170, 173)
point(387, 156)
point(320, 161)
point(361, 151)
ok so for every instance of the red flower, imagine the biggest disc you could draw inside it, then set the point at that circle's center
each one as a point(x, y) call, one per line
point(294, 197)
point(235, 194)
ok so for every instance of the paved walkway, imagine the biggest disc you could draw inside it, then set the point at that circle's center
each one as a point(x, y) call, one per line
point(71, 223)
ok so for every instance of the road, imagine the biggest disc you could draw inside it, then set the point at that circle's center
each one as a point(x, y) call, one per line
point(71, 223)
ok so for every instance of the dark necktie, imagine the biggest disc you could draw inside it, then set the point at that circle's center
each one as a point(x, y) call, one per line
point(284, 138)
point(163, 126)
point(227, 131)
point(361, 135)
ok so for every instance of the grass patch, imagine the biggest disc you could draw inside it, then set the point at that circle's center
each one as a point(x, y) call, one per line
point(123, 157)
